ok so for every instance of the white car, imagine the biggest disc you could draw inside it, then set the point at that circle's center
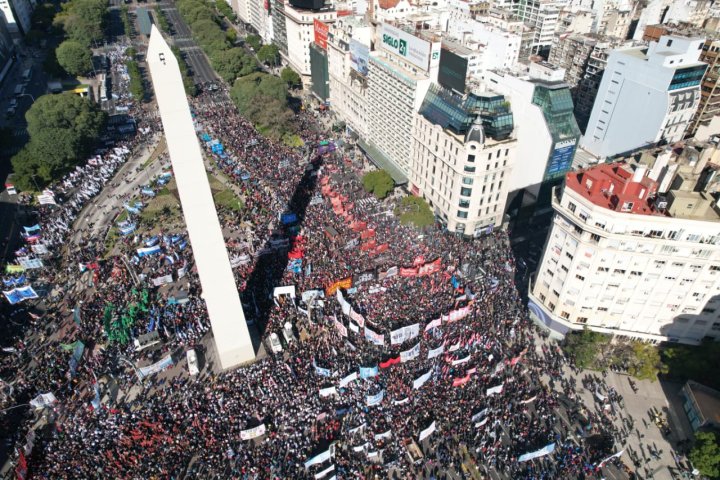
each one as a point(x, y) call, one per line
point(192, 362)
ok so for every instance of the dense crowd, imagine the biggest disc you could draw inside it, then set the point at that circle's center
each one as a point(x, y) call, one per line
point(348, 396)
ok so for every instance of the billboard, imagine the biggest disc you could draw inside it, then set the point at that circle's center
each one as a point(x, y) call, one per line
point(406, 45)
point(561, 159)
point(359, 54)
point(453, 70)
point(321, 33)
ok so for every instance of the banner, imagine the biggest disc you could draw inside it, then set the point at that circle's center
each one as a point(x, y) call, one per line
point(375, 338)
point(17, 295)
point(433, 324)
point(480, 414)
point(142, 252)
point(408, 355)
point(162, 280)
point(375, 399)
point(546, 450)
point(460, 361)
point(166, 362)
point(344, 283)
point(456, 315)
point(461, 381)
point(427, 432)
point(494, 390)
point(381, 436)
point(310, 295)
point(405, 333)
point(400, 402)
point(342, 329)
point(347, 379)
point(368, 372)
point(359, 319)
point(326, 392)
point(390, 362)
point(30, 263)
point(422, 379)
point(323, 372)
point(436, 352)
point(391, 272)
point(43, 400)
point(344, 305)
point(323, 473)
point(39, 249)
point(429, 268)
point(320, 458)
point(408, 272)
point(33, 229)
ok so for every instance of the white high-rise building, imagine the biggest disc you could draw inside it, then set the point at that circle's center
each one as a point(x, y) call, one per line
point(348, 49)
point(242, 9)
point(17, 14)
point(401, 70)
point(624, 260)
point(462, 156)
point(260, 18)
point(300, 27)
point(647, 94)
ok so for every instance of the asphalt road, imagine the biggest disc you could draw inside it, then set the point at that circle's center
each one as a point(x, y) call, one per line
point(199, 65)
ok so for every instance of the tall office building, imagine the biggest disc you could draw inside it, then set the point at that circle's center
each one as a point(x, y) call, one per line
point(400, 73)
point(462, 156)
point(543, 16)
point(17, 14)
point(709, 106)
point(303, 26)
point(7, 48)
point(646, 95)
point(623, 259)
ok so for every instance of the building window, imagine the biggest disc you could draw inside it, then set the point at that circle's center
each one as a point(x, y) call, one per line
point(602, 309)
point(471, 158)
point(462, 214)
point(565, 315)
point(467, 181)
point(571, 207)
point(582, 320)
point(466, 192)
point(464, 204)
point(469, 169)
point(551, 306)
point(580, 277)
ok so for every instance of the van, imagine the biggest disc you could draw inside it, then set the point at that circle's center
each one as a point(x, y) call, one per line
point(13, 103)
point(19, 90)
point(27, 74)
point(192, 362)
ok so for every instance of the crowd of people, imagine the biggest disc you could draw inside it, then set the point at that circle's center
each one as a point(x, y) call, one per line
point(410, 356)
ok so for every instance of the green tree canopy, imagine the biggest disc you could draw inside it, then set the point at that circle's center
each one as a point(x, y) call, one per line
point(269, 54)
point(84, 20)
point(225, 10)
point(584, 346)
point(705, 454)
point(262, 98)
point(378, 182)
point(415, 211)
point(43, 16)
point(63, 129)
point(691, 362)
point(74, 58)
point(233, 63)
point(290, 77)
point(645, 362)
point(254, 41)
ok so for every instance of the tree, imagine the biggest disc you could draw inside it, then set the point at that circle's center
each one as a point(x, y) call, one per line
point(84, 20)
point(269, 54)
point(74, 58)
point(51, 65)
point(645, 363)
point(225, 10)
point(415, 211)
point(231, 36)
point(378, 182)
point(691, 362)
point(290, 77)
point(262, 98)
point(584, 346)
point(63, 130)
point(254, 41)
point(230, 63)
point(705, 454)
point(136, 87)
point(43, 16)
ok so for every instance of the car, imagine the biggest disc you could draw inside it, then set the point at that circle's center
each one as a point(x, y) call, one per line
point(192, 362)
point(10, 112)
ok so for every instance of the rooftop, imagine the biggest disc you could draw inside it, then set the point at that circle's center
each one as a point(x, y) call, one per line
point(618, 188)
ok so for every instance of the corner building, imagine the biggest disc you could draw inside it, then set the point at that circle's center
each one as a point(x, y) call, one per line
point(622, 259)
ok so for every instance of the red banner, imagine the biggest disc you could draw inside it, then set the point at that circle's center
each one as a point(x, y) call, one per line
point(408, 272)
point(382, 248)
point(389, 362)
point(321, 33)
point(461, 381)
point(368, 245)
point(419, 260)
point(369, 233)
point(430, 268)
point(358, 226)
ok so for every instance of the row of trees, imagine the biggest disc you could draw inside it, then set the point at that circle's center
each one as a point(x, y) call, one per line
point(136, 87)
point(263, 99)
point(63, 131)
point(229, 62)
point(83, 22)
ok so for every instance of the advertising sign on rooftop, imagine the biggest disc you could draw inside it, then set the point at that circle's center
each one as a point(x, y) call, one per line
point(406, 45)
point(321, 33)
point(359, 54)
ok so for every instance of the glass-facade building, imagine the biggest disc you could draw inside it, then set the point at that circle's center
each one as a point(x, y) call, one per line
point(457, 113)
point(319, 72)
point(557, 106)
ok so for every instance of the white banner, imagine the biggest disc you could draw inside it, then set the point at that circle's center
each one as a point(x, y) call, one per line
point(479, 415)
point(326, 392)
point(362, 447)
point(319, 458)
point(162, 280)
point(156, 367)
point(251, 433)
point(353, 376)
point(435, 323)
point(375, 338)
point(546, 450)
point(322, 474)
point(344, 305)
point(359, 319)
point(375, 399)
point(427, 432)
point(380, 436)
point(460, 361)
point(405, 333)
point(43, 400)
point(408, 355)
point(494, 390)
point(436, 351)
point(422, 379)
point(354, 327)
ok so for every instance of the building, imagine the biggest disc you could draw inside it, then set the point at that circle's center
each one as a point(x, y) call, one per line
point(584, 58)
point(462, 156)
point(348, 50)
point(486, 46)
point(260, 18)
point(543, 16)
point(304, 26)
point(701, 404)
point(690, 12)
point(646, 95)
point(709, 106)
point(652, 14)
point(400, 73)
point(18, 14)
point(242, 10)
point(7, 49)
point(319, 79)
point(624, 259)
point(546, 131)
point(279, 27)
